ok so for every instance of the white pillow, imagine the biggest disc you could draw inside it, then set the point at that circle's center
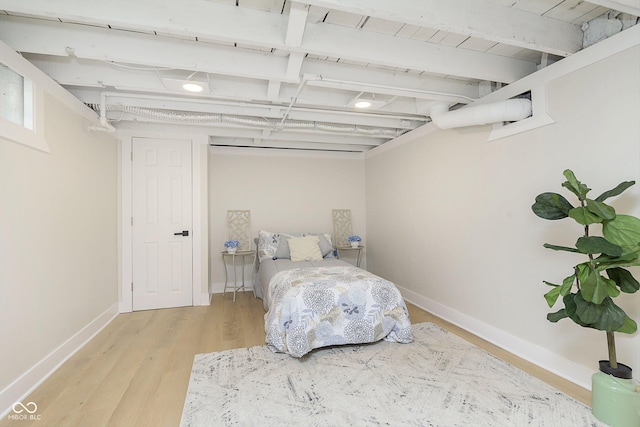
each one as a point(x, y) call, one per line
point(268, 244)
point(305, 248)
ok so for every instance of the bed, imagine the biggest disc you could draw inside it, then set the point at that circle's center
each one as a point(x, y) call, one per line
point(316, 300)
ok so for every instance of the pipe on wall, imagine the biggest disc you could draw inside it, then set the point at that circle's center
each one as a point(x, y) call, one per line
point(509, 110)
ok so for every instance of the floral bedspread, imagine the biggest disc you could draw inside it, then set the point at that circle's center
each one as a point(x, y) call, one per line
point(325, 306)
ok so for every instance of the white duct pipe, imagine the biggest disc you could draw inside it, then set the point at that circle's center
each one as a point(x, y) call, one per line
point(509, 110)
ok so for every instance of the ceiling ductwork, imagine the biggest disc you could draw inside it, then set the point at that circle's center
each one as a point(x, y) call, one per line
point(510, 110)
point(245, 121)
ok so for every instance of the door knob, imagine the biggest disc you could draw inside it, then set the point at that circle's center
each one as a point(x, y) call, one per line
point(182, 233)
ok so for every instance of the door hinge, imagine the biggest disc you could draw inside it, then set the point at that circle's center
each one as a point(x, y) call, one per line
point(132, 155)
point(131, 286)
point(132, 221)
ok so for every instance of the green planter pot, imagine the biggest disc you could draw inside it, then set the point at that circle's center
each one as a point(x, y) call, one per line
point(615, 398)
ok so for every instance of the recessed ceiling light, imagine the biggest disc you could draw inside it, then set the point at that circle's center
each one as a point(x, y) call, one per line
point(192, 87)
point(366, 102)
point(181, 85)
point(362, 104)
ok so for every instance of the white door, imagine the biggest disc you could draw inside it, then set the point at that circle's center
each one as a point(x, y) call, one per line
point(162, 233)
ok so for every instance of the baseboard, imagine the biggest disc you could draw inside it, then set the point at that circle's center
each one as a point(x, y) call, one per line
point(36, 375)
point(535, 354)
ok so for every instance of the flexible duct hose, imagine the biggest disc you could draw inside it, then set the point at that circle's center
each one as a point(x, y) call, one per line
point(204, 118)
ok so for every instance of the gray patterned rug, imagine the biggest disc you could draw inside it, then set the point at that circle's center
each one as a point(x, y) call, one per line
point(439, 380)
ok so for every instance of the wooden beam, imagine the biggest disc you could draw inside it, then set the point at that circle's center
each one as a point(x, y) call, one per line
point(76, 72)
point(474, 18)
point(407, 54)
point(296, 24)
point(55, 38)
point(631, 7)
point(263, 29)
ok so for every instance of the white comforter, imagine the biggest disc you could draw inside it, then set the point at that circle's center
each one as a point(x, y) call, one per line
point(324, 306)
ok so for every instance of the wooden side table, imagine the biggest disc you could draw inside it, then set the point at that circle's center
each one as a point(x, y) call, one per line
point(351, 248)
point(226, 257)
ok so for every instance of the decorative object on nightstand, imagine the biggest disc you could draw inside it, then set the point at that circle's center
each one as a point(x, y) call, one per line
point(341, 227)
point(232, 246)
point(354, 240)
point(239, 228)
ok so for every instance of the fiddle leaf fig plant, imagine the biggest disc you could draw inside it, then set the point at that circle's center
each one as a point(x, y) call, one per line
point(588, 293)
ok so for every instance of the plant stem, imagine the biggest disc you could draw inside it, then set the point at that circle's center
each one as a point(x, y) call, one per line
point(611, 344)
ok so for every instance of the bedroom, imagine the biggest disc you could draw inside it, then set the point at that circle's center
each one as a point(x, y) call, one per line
point(410, 201)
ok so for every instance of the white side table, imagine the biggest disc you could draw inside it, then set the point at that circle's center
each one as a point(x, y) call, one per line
point(228, 257)
point(351, 248)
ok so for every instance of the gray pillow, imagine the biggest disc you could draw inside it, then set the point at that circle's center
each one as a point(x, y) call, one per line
point(283, 251)
point(325, 245)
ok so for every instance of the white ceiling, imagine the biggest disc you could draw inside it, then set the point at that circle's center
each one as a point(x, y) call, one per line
point(283, 73)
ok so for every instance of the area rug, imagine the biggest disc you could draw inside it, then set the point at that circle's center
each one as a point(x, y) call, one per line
point(438, 380)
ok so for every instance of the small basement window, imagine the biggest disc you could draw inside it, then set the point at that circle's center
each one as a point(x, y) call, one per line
point(21, 107)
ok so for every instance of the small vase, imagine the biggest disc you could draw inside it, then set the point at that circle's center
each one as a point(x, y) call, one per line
point(232, 250)
point(355, 244)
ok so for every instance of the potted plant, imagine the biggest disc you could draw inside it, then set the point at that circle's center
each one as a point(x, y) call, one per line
point(354, 240)
point(232, 246)
point(588, 293)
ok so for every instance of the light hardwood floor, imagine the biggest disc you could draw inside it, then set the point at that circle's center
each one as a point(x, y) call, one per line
point(136, 371)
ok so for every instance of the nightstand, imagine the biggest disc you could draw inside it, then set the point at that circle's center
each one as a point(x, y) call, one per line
point(350, 248)
point(229, 258)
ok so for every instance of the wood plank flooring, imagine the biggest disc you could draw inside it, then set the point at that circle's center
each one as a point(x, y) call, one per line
point(136, 371)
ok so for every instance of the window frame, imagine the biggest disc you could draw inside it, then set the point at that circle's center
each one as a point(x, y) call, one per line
point(32, 138)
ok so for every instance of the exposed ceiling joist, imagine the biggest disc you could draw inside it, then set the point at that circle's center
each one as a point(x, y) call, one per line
point(474, 18)
point(60, 39)
point(320, 39)
point(286, 73)
point(626, 6)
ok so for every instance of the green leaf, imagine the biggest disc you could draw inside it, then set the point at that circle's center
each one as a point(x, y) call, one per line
point(628, 327)
point(624, 230)
point(570, 308)
point(597, 245)
point(575, 186)
point(551, 206)
point(552, 296)
point(614, 192)
point(629, 254)
point(583, 216)
point(567, 284)
point(605, 317)
point(558, 315)
point(588, 312)
point(595, 288)
point(559, 290)
point(600, 209)
point(612, 317)
point(624, 279)
point(584, 270)
point(606, 265)
point(560, 248)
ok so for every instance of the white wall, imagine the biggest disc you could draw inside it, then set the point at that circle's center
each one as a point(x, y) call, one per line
point(286, 191)
point(449, 218)
point(58, 250)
